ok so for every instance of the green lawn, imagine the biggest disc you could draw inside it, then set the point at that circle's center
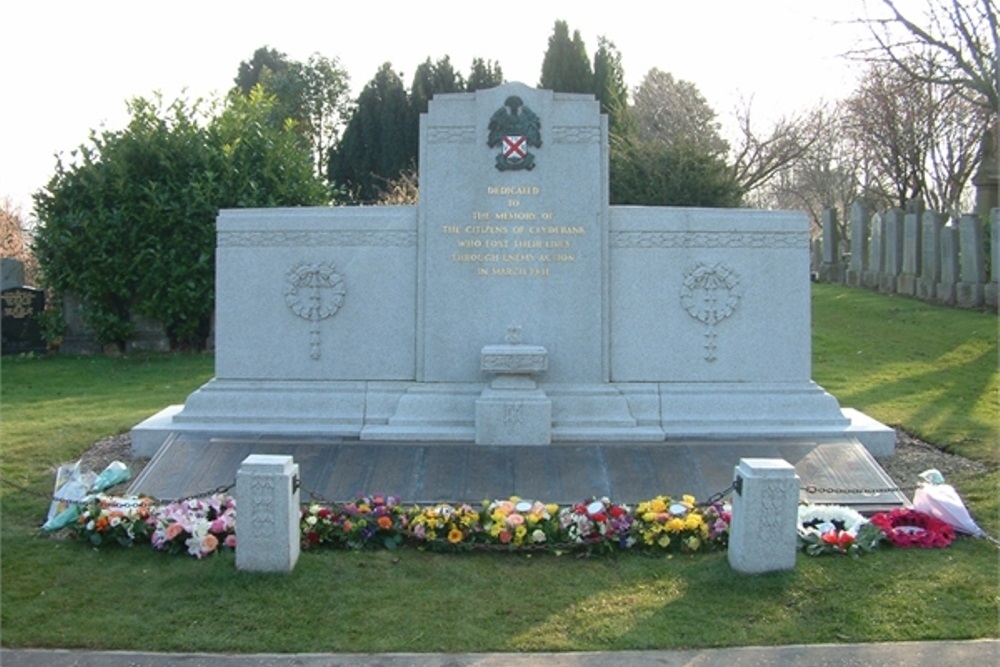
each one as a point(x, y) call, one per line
point(932, 370)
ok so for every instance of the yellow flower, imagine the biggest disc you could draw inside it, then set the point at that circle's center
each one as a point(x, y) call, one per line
point(658, 504)
point(692, 521)
point(688, 500)
point(664, 541)
point(675, 525)
point(455, 536)
point(552, 509)
point(649, 517)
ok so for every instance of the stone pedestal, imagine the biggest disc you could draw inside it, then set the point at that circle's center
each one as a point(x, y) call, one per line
point(513, 410)
point(762, 534)
point(267, 517)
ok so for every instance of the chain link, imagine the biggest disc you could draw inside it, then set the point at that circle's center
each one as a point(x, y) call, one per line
point(716, 497)
point(813, 489)
point(125, 503)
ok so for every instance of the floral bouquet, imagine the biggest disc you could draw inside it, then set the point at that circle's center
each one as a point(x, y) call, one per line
point(445, 526)
point(835, 529)
point(662, 524)
point(912, 528)
point(109, 520)
point(319, 526)
point(517, 522)
point(367, 521)
point(198, 526)
point(597, 522)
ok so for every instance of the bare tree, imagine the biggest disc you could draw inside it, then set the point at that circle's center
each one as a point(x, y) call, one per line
point(959, 36)
point(827, 175)
point(913, 139)
point(757, 158)
point(954, 44)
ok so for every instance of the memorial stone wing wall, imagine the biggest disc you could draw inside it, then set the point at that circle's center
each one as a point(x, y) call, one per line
point(316, 294)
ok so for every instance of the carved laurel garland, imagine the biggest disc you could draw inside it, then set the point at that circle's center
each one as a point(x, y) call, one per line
point(710, 294)
point(314, 292)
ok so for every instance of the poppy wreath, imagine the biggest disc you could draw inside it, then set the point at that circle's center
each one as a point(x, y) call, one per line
point(912, 528)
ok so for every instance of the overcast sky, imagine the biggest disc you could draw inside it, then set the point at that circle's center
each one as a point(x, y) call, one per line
point(68, 67)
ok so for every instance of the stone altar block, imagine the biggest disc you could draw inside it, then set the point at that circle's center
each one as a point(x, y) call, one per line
point(513, 410)
point(370, 323)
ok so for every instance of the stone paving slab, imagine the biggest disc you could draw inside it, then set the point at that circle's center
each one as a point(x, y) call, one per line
point(903, 654)
point(338, 470)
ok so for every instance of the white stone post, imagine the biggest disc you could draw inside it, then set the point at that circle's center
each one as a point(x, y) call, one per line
point(267, 514)
point(762, 532)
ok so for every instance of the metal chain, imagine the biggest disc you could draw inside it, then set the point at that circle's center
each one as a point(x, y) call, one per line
point(813, 489)
point(716, 497)
point(128, 504)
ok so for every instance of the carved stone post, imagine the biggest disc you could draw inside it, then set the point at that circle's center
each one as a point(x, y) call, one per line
point(762, 534)
point(267, 514)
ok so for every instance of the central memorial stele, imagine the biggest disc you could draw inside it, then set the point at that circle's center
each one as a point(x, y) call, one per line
point(633, 324)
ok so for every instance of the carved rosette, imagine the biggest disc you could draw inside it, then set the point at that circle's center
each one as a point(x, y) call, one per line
point(710, 294)
point(314, 292)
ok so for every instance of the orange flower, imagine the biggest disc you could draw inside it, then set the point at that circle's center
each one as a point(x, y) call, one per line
point(209, 543)
point(384, 522)
point(101, 524)
point(455, 536)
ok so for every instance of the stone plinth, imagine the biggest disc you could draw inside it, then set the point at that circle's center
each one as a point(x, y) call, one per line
point(762, 535)
point(267, 517)
point(513, 410)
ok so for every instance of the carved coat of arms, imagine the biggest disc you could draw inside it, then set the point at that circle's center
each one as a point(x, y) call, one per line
point(514, 128)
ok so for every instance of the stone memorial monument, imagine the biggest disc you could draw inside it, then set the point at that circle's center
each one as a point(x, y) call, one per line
point(513, 305)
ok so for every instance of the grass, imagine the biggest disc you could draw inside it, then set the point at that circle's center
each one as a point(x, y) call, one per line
point(932, 370)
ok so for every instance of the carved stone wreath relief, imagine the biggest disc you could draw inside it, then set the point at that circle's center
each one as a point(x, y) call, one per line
point(314, 292)
point(710, 294)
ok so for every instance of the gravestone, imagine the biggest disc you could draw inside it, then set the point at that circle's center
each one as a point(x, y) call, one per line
point(859, 244)
point(873, 269)
point(991, 293)
point(77, 338)
point(970, 290)
point(892, 245)
point(513, 305)
point(11, 273)
point(945, 289)
point(930, 256)
point(21, 320)
point(906, 283)
point(832, 268)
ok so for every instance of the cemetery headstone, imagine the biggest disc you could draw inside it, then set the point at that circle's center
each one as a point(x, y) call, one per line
point(991, 293)
point(931, 223)
point(859, 244)
point(892, 246)
point(873, 268)
point(77, 338)
point(832, 268)
point(971, 287)
point(21, 320)
point(906, 284)
point(945, 289)
point(11, 273)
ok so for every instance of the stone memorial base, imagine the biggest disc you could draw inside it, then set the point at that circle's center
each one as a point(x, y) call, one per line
point(448, 412)
point(192, 462)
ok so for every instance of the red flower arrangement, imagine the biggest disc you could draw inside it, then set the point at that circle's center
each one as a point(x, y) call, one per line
point(911, 528)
